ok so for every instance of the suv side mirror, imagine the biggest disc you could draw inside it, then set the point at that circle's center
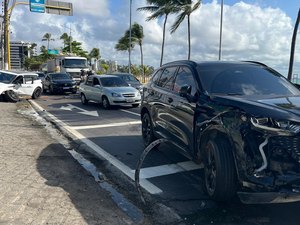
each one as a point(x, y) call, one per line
point(185, 91)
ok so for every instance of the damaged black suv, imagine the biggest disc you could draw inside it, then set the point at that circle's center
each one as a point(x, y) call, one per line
point(240, 119)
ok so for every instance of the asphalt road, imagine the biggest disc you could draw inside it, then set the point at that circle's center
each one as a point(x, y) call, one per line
point(168, 176)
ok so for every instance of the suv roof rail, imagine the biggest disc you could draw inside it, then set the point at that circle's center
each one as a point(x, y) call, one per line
point(255, 62)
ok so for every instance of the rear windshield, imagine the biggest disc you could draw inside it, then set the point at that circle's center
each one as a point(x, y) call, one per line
point(6, 77)
point(239, 79)
point(113, 82)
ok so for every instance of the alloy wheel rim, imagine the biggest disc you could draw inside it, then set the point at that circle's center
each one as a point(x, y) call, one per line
point(210, 170)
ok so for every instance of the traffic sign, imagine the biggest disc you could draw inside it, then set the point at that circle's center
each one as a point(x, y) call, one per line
point(53, 51)
point(37, 6)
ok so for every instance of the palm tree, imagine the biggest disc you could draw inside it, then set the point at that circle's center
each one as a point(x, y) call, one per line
point(95, 53)
point(160, 8)
point(65, 37)
point(186, 7)
point(47, 37)
point(137, 36)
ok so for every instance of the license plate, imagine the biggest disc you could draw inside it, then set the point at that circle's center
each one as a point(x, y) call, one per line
point(66, 88)
point(129, 100)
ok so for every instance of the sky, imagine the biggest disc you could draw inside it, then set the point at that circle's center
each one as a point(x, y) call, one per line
point(259, 30)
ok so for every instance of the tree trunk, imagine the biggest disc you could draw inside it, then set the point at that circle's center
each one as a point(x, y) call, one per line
point(163, 41)
point(189, 38)
point(293, 47)
point(142, 61)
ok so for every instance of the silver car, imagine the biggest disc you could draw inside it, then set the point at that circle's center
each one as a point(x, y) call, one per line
point(109, 90)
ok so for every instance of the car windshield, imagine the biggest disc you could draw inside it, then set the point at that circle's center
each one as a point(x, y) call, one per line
point(75, 63)
point(60, 76)
point(113, 82)
point(230, 79)
point(6, 77)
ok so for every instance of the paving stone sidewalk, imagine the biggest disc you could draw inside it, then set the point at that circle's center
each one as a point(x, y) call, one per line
point(41, 183)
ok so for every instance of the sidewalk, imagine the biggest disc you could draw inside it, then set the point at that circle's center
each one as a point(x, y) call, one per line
point(41, 183)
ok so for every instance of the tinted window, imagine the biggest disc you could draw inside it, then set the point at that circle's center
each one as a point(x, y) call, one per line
point(167, 78)
point(59, 76)
point(6, 77)
point(185, 77)
point(244, 80)
point(113, 82)
point(156, 76)
point(96, 81)
point(89, 81)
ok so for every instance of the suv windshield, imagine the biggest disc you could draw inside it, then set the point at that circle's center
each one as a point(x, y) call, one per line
point(6, 77)
point(60, 76)
point(113, 82)
point(248, 80)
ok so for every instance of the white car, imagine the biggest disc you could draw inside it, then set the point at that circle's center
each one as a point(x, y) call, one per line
point(13, 85)
point(109, 90)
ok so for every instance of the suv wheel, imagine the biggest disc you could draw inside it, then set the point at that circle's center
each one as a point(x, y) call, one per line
point(11, 96)
point(219, 170)
point(147, 130)
point(37, 93)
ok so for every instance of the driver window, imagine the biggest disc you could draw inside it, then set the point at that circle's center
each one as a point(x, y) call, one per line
point(96, 81)
point(18, 80)
point(184, 77)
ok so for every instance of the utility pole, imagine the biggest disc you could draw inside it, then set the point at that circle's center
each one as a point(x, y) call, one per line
point(70, 40)
point(129, 69)
point(5, 23)
point(221, 29)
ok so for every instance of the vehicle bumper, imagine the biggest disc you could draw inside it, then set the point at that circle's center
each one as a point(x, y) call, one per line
point(125, 101)
point(283, 196)
point(64, 89)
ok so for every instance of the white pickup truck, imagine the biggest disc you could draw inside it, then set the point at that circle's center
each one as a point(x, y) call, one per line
point(13, 85)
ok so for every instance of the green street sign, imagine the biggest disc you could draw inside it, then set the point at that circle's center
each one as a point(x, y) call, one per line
point(37, 6)
point(53, 51)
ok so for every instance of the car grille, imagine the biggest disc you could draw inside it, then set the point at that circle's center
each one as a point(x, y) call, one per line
point(130, 95)
point(290, 144)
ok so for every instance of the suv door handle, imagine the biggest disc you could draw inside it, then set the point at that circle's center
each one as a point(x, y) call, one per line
point(170, 100)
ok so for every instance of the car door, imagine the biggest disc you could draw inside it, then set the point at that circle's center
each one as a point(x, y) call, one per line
point(26, 86)
point(159, 100)
point(96, 90)
point(181, 110)
point(86, 88)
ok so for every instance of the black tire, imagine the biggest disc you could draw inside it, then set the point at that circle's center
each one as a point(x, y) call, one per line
point(135, 105)
point(147, 130)
point(84, 101)
point(51, 90)
point(219, 170)
point(105, 102)
point(37, 93)
point(44, 90)
point(11, 96)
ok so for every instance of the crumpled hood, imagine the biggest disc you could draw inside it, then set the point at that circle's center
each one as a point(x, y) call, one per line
point(280, 107)
point(5, 87)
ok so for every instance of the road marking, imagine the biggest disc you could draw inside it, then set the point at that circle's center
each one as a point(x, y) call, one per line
point(107, 125)
point(157, 171)
point(133, 113)
point(97, 150)
point(70, 107)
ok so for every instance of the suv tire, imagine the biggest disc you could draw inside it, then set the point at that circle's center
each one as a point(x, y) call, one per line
point(147, 130)
point(219, 170)
point(11, 96)
point(37, 93)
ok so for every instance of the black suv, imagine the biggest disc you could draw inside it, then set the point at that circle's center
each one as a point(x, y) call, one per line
point(240, 119)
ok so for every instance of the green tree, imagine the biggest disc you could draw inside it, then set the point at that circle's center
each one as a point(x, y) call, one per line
point(95, 54)
point(187, 7)
point(65, 38)
point(160, 8)
point(47, 37)
point(76, 49)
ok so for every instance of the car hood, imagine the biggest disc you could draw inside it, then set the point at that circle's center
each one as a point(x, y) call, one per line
point(5, 87)
point(121, 89)
point(277, 107)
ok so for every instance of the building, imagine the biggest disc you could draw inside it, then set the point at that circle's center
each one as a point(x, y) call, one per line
point(19, 50)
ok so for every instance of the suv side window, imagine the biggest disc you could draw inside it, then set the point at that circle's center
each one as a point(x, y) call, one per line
point(167, 78)
point(185, 77)
point(156, 76)
point(89, 81)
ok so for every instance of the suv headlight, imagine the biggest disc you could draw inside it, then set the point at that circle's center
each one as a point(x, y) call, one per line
point(276, 126)
point(116, 94)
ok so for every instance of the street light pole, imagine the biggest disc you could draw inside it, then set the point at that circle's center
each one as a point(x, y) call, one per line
point(221, 29)
point(129, 50)
point(5, 34)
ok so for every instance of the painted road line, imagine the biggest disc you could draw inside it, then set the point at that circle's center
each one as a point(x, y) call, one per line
point(106, 125)
point(133, 113)
point(157, 171)
point(151, 188)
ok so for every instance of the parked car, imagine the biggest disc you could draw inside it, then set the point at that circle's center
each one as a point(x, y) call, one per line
point(240, 119)
point(59, 83)
point(13, 85)
point(109, 90)
point(41, 75)
point(131, 80)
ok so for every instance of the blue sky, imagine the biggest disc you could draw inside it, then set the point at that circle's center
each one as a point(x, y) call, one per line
point(259, 30)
